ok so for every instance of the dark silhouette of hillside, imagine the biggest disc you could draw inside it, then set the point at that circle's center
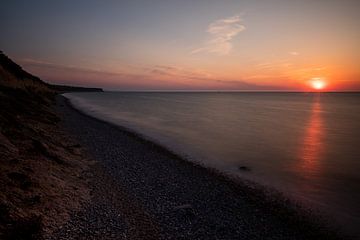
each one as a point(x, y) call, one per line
point(12, 75)
point(16, 70)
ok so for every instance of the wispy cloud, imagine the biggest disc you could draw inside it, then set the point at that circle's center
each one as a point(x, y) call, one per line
point(294, 53)
point(200, 79)
point(222, 32)
point(180, 72)
point(152, 77)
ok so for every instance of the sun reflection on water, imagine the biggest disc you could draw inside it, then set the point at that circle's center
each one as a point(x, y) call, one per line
point(312, 143)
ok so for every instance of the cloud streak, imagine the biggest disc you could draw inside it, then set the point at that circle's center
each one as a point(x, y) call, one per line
point(222, 32)
point(294, 53)
point(153, 77)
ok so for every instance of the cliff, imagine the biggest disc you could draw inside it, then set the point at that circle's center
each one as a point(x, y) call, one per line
point(41, 167)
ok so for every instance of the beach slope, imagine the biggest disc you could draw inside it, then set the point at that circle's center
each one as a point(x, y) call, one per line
point(142, 189)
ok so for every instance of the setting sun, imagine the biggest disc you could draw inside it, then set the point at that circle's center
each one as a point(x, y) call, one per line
point(318, 83)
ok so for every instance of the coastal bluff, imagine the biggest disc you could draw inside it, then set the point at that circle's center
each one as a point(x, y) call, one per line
point(41, 167)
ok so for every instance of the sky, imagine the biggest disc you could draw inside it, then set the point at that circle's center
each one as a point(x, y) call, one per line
point(187, 44)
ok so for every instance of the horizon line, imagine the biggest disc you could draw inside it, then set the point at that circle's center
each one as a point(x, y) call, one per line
point(248, 91)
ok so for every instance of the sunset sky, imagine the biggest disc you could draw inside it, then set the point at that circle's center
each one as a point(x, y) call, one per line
point(186, 45)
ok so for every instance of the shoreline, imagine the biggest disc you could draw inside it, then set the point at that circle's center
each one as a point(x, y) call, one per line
point(268, 205)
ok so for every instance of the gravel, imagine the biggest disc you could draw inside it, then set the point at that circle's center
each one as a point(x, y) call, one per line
point(143, 191)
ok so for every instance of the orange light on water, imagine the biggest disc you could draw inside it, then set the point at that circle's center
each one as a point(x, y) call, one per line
point(312, 147)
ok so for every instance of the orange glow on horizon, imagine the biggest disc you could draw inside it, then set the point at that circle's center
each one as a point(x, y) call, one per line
point(318, 83)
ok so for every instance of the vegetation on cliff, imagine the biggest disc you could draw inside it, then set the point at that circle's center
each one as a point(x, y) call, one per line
point(41, 168)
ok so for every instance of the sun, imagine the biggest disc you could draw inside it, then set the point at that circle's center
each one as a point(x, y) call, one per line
point(318, 83)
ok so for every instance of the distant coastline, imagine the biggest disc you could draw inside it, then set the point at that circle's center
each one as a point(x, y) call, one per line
point(66, 89)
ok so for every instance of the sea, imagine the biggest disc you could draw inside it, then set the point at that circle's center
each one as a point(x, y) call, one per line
point(305, 145)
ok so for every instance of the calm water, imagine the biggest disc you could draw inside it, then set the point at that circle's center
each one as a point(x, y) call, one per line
point(305, 145)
